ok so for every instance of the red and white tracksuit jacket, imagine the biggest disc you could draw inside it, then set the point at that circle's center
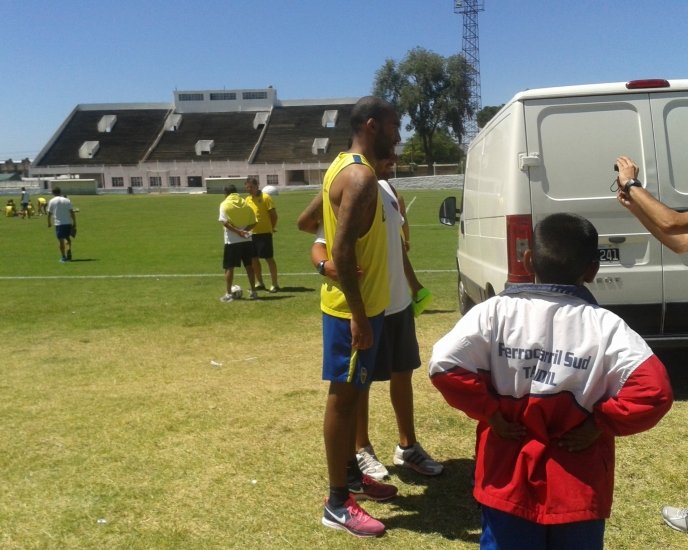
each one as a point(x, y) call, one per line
point(548, 357)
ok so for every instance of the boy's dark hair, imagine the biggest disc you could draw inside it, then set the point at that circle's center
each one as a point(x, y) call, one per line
point(564, 247)
point(57, 191)
point(369, 107)
point(229, 189)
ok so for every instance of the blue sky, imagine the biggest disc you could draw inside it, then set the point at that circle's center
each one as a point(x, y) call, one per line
point(55, 55)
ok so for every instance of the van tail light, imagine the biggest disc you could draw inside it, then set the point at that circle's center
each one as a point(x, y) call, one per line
point(647, 83)
point(519, 236)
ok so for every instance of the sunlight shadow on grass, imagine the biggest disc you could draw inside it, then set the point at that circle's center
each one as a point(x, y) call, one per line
point(446, 507)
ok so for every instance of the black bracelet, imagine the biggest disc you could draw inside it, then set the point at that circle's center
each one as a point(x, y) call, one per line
point(631, 183)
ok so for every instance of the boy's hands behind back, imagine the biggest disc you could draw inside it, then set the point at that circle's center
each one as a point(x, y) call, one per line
point(506, 429)
point(581, 437)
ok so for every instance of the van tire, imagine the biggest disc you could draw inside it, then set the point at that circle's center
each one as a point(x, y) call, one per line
point(465, 302)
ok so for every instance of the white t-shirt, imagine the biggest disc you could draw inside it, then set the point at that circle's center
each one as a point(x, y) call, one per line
point(60, 208)
point(399, 293)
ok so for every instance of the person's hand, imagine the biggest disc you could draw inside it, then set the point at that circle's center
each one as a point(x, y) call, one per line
point(361, 333)
point(628, 170)
point(623, 198)
point(581, 437)
point(505, 429)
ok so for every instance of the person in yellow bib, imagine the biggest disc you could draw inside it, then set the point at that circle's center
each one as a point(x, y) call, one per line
point(42, 204)
point(238, 220)
point(353, 307)
point(10, 208)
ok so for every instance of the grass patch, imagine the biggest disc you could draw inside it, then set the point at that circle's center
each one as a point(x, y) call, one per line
point(183, 422)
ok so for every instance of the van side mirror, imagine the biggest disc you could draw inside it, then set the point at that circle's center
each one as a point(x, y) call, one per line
point(449, 214)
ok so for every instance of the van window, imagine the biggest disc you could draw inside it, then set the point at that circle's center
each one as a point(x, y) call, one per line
point(579, 139)
point(676, 122)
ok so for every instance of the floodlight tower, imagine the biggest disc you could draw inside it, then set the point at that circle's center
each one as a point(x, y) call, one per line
point(471, 52)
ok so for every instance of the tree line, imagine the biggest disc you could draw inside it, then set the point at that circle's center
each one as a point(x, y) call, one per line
point(432, 94)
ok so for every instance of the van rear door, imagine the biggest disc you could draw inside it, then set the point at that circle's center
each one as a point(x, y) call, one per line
point(670, 121)
point(577, 140)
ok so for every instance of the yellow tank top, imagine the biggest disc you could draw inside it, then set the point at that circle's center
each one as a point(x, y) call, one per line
point(371, 251)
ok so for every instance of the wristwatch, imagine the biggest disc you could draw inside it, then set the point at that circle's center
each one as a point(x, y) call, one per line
point(321, 267)
point(631, 183)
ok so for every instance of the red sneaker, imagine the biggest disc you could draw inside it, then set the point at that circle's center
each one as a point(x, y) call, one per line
point(369, 488)
point(353, 519)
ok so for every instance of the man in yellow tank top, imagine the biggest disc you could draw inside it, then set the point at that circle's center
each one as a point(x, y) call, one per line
point(353, 307)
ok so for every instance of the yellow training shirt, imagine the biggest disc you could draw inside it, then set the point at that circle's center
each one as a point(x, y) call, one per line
point(261, 205)
point(371, 251)
point(237, 211)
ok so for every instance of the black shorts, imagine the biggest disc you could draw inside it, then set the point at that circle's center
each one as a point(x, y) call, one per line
point(63, 232)
point(236, 254)
point(262, 245)
point(398, 350)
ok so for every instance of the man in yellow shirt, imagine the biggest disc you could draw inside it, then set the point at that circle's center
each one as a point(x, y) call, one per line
point(266, 220)
point(353, 307)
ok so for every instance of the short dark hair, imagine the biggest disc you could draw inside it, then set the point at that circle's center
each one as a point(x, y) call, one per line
point(252, 180)
point(57, 191)
point(229, 189)
point(369, 107)
point(564, 247)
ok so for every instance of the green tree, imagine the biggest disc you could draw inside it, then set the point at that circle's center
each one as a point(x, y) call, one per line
point(432, 90)
point(444, 149)
point(486, 113)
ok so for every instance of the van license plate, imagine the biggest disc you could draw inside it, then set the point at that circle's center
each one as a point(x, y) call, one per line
point(609, 254)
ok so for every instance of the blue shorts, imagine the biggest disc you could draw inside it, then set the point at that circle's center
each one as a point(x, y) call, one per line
point(502, 531)
point(63, 231)
point(341, 363)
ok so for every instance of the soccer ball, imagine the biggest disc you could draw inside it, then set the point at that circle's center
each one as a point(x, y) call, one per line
point(237, 292)
point(271, 190)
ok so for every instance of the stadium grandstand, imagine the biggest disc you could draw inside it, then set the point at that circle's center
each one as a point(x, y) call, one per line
point(203, 135)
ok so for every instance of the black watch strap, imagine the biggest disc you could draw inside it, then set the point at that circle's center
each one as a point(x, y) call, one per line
point(632, 183)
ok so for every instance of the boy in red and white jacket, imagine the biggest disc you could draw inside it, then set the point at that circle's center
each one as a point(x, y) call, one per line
point(552, 379)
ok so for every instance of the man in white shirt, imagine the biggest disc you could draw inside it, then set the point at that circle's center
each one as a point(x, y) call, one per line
point(60, 210)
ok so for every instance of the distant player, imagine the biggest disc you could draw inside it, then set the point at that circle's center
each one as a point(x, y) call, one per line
point(24, 202)
point(60, 209)
point(238, 220)
point(266, 220)
point(42, 204)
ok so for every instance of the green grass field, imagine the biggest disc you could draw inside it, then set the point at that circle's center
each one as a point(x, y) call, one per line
point(138, 411)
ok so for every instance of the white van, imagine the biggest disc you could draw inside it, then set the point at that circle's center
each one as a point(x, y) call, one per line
point(553, 150)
